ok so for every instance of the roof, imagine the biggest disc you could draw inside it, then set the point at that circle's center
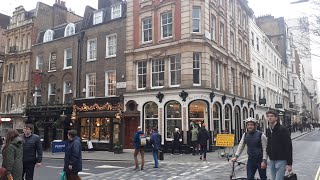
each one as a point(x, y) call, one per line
point(4, 21)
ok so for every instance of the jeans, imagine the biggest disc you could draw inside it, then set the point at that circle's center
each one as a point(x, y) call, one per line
point(278, 169)
point(252, 166)
point(28, 170)
point(155, 157)
point(204, 151)
point(135, 155)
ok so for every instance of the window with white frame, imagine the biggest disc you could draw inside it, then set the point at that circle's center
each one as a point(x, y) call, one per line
point(70, 30)
point(213, 27)
point(173, 118)
point(37, 96)
point(26, 77)
point(227, 119)
point(21, 71)
point(158, 73)
point(52, 92)
point(254, 93)
point(233, 81)
point(166, 24)
point(39, 62)
point(91, 49)
point(245, 53)
point(258, 44)
point(67, 58)
point(243, 86)
point(232, 44)
point(48, 35)
point(97, 17)
point(91, 85)
point(67, 92)
point(147, 29)
point(175, 71)
point(217, 75)
point(196, 19)
point(110, 83)
point(142, 74)
point(116, 11)
point(258, 65)
point(221, 34)
point(216, 120)
point(252, 39)
point(196, 68)
point(111, 42)
point(240, 49)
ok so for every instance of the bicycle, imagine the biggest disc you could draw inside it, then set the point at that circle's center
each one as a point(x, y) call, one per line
point(232, 175)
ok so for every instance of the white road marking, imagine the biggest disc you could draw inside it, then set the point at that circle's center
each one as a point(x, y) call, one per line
point(317, 175)
point(84, 173)
point(59, 167)
point(108, 167)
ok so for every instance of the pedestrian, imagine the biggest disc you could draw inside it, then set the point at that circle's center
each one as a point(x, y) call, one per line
point(155, 140)
point(194, 141)
point(32, 151)
point(279, 147)
point(203, 138)
point(12, 155)
point(139, 140)
point(176, 141)
point(73, 156)
point(256, 143)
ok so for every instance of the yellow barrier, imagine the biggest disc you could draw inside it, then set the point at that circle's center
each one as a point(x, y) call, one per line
point(225, 140)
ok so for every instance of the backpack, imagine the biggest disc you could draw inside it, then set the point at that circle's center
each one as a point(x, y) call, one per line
point(143, 140)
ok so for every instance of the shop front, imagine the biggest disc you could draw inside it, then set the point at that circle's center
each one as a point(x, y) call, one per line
point(11, 121)
point(98, 122)
point(189, 109)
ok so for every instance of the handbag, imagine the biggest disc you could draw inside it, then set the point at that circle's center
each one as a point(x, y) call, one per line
point(290, 176)
point(3, 172)
point(63, 176)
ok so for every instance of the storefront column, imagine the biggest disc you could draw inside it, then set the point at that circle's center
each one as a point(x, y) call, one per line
point(184, 126)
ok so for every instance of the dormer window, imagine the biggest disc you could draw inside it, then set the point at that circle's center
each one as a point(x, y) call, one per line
point(48, 35)
point(97, 17)
point(70, 30)
point(116, 11)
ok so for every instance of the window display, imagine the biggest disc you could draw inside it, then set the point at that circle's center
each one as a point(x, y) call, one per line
point(151, 117)
point(173, 118)
point(95, 129)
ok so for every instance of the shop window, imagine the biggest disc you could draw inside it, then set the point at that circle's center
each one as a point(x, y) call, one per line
point(227, 119)
point(216, 120)
point(150, 117)
point(173, 118)
point(95, 129)
point(198, 113)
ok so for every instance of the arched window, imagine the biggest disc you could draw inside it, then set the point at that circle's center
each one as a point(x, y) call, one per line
point(48, 35)
point(70, 30)
point(216, 119)
point(198, 113)
point(173, 118)
point(150, 117)
point(251, 113)
point(245, 116)
point(227, 119)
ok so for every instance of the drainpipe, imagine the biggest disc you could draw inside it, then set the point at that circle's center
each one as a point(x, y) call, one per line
point(79, 64)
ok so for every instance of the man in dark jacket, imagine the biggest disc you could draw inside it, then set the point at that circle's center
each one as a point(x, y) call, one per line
point(279, 147)
point(32, 152)
point(203, 138)
point(73, 157)
point(176, 141)
point(138, 148)
point(155, 140)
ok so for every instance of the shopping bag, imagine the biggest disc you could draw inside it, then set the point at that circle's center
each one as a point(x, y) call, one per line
point(63, 176)
point(291, 176)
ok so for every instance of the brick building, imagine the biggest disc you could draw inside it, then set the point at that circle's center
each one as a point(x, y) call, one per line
point(21, 34)
point(100, 74)
point(188, 63)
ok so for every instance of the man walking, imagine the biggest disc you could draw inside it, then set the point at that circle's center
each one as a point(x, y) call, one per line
point(139, 140)
point(279, 147)
point(203, 138)
point(156, 145)
point(194, 141)
point(32, 152)
point(256, 142)
point(73, 156)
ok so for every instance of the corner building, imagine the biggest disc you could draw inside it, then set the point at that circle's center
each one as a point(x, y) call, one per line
point(187, 63)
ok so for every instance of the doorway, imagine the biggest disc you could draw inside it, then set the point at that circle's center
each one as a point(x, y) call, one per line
point(131, 124)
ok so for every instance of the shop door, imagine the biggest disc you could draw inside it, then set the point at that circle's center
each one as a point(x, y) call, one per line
point(130, 129)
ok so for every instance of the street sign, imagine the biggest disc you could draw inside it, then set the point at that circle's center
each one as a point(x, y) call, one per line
point(121, 85)
point(58, 146)
point(278, 105)
point(225, 140)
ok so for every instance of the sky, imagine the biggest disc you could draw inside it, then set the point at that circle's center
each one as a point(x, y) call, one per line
point(277, 8)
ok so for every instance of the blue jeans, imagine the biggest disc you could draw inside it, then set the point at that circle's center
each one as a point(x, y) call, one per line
point(278, 169)
point(155, 157)
point(252, 166)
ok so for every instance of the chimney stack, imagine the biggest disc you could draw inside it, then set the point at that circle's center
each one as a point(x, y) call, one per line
point(63, 3)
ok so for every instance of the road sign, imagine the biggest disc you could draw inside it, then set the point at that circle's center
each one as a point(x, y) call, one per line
point(225, 140)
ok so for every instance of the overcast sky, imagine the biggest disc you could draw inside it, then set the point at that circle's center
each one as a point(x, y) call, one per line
point(276, 8)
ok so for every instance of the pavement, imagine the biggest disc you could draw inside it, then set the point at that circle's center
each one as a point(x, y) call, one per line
point(127, 155)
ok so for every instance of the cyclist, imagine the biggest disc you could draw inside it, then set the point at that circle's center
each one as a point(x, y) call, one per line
point(256, 143)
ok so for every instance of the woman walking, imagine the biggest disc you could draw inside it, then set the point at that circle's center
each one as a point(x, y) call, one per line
point(12, 155)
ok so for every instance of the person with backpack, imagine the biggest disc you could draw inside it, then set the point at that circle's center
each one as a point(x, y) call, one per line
point(155, 140)
point(203, 138)
point(140, 141)
point(256, 143)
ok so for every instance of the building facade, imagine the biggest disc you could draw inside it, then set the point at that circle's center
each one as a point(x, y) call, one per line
point(21, 34)
point(187, 64)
